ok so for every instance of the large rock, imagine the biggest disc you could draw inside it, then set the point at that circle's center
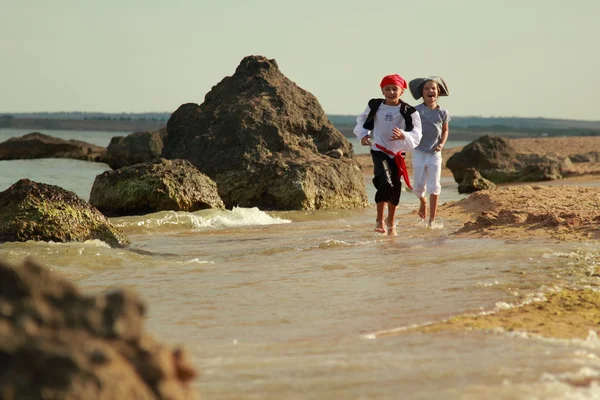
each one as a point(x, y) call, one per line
point(37, 145)
point(267, 143)
point(547, 167)
point(499, 162)
point(488, 155)
point(154, 186)
point(41, 212)
point(57, 343)
point(135, 148)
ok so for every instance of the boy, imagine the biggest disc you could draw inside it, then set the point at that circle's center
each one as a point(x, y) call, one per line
point(427, 157)
point(389, 124)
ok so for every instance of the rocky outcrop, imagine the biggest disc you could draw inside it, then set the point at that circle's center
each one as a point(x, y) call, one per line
point(41, 212)
point(37, 145)
point(57, 343)
point(548, 167)
point(135, 148)
point(497, 161)
point(591, 156)
point(154, 186)
point(267, 143)
point(473, 182)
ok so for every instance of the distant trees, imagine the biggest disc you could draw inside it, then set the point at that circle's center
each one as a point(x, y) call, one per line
point(6, 121)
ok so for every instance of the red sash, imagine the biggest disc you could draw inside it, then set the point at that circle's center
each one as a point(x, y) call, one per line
point(399, 158)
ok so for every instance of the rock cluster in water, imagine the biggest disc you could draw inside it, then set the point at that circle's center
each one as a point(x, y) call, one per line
point(267, 143)
point(38, 145)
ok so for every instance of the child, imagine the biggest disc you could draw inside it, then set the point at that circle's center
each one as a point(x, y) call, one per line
point(394, 127)
point(427, 157)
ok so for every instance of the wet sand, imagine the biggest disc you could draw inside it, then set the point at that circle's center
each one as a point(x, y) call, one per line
point(568, 314)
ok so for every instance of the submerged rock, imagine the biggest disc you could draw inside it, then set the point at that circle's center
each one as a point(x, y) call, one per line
point(37, 145)
point(267, 143)
point(58, 343)
point(135, 148)
point(41, 212)
point(154, 186)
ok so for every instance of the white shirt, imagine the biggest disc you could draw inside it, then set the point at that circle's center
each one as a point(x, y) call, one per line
point(386, 118)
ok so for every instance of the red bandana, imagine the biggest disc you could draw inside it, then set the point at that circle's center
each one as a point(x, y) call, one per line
point(393, 80)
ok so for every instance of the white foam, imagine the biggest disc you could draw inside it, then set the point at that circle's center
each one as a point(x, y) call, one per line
point(195, 261)
point(93, 243)
point(236, 217)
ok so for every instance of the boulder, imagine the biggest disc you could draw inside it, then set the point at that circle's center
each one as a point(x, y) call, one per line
point(492, 156)
point(154, 186)
point(267, 143)
point(135, 148)
point(58, 343)
point(496, 160)
point(41, 212)
point(546, 167)
point(37, 145)
point(473, 182)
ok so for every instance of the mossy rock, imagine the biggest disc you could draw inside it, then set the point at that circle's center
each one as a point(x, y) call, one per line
point(474, 182)
point(154, 186)
point(41, 212)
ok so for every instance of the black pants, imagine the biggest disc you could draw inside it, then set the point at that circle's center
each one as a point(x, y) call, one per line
point(387, 189)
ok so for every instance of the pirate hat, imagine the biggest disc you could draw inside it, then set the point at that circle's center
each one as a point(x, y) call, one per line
point(416, 86)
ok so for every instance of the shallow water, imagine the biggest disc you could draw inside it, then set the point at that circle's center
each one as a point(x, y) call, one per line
point(299, 304)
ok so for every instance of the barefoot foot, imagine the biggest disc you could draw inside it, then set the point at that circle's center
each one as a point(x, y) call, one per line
point(423, 208)
point(379, 227)
point(391, 227)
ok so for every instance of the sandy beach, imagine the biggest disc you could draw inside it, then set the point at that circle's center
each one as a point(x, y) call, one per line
point(567, 210)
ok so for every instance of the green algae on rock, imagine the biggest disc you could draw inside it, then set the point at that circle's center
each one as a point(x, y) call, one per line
point(41, 212)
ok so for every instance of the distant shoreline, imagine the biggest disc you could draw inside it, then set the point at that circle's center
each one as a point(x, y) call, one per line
point(83, 124)
point(132, 124)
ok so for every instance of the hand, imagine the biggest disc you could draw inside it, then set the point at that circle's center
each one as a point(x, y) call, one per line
point(365, 141)
point(397, 134)
point(438, 147)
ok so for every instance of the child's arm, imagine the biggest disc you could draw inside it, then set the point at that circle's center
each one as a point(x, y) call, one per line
point(445, 132)
point(444, 138)
point(359, 130)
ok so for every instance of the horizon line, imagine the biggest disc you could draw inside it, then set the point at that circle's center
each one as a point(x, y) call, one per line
point(2, 114)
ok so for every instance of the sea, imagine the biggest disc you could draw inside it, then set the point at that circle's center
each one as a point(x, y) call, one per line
point(301, 304)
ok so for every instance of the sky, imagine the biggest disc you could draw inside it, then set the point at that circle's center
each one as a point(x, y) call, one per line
point(504, 58)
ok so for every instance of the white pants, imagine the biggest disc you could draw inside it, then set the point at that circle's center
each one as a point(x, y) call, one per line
point(427, 169)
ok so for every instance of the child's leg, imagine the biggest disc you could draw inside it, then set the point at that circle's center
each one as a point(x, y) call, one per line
point(391, 220)
point(434, 185)
point(433, 203)
point(420, 180)
point(379, 227)
point(423, 207)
